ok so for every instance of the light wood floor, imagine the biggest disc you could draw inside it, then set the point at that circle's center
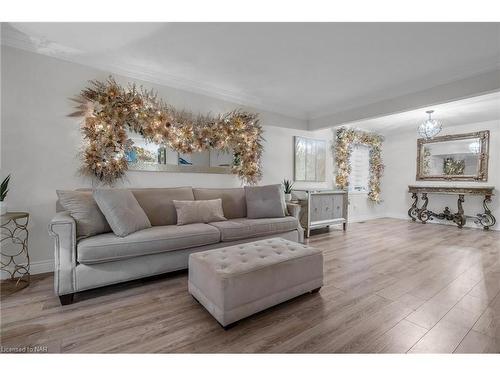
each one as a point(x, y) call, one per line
point(390, 286)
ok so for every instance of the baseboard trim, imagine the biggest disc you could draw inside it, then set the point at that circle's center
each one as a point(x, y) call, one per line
point(45, 266)
point(469, 224)
point(358, 219)
point(42, 266)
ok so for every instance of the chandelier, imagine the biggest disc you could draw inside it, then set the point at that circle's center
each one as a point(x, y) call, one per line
point(475, 147)
point(430, 128)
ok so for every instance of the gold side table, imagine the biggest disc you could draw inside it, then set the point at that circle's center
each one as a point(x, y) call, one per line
point(15, 259)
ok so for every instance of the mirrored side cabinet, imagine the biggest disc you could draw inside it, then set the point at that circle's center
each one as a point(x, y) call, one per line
point(322, 208)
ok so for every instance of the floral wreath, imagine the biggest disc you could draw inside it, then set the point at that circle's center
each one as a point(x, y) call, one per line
point(109, 109)
point(342, 148)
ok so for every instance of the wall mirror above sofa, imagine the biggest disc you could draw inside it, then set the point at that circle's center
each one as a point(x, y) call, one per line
point(150, 156)
point(457, 157)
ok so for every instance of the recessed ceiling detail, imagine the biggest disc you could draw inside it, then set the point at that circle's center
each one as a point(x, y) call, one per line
point(461, 112)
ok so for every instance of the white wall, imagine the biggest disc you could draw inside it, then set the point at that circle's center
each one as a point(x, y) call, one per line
point(278, 156)
point(400, 154)
point(40, 143)
point(39, 146)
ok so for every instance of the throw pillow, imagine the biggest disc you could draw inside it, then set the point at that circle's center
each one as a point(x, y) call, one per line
point(122, 211)
point(83, 208)
point(265, 201)
point(204, 211)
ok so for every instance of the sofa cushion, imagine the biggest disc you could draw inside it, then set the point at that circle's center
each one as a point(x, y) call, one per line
point(108, 247)
point(189, 212)
point(238, 229)
point(265, 201)
point(158, 204)
point(233, 200)
point(83, 208)
point(122, 211)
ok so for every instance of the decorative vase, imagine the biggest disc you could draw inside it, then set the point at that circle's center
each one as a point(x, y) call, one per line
point(3, 208)
point(288, 197)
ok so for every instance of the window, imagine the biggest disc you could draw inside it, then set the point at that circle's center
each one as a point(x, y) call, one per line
point(360, 168)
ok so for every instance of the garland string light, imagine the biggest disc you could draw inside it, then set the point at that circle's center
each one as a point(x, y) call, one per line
point(109, 110)
point(342, 148)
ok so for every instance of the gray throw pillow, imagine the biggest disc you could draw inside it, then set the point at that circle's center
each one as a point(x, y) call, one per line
point(122, 211)
point(265, 201)
point(83, 208)
point(203, 211)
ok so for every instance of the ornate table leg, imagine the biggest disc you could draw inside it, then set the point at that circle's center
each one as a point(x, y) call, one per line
point(413, 211)
point(486, 220)
point(459, 217)
point(422, 212)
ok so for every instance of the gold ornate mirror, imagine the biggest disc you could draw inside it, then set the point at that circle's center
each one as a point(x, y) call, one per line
point(458, 157)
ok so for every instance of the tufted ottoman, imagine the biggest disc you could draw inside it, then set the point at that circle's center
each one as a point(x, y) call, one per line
point(237, 281)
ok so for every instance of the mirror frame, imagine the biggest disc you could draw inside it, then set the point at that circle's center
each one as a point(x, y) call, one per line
point(482, 175)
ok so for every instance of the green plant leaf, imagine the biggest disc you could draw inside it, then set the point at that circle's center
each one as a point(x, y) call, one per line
point(4, 188)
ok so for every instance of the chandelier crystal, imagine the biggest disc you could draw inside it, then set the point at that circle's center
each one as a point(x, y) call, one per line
point(475, 147)
point(430, 127)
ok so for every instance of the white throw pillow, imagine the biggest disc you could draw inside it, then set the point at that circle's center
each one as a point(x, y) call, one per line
point(122, 211)
point(203, 211)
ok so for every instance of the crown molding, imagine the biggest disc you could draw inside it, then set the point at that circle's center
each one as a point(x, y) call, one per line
point(12, 38)
point(369, 106)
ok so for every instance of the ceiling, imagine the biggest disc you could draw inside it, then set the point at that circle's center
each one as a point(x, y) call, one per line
point(303, 70)
point(467, 111)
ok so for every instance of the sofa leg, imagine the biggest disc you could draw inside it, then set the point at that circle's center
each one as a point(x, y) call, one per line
point(315, 290)
point(66, 299)
point(229, 326)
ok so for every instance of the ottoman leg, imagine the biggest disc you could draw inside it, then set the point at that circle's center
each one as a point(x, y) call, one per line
point(225, 327)
point(315, 290)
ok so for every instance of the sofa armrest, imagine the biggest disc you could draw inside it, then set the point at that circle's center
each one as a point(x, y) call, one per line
point(63, 228)
point(293, 209)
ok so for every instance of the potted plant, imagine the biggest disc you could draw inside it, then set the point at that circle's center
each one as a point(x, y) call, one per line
point(288, 186)
point(4, 189)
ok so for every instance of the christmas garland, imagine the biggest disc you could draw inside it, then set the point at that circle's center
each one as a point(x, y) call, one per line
point(342, 148)
point(109, 109)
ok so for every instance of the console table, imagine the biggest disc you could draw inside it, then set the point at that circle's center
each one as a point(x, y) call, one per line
point(423, 214)
point(322, 208)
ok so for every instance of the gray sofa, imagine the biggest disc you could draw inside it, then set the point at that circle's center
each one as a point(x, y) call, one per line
point(104, 259)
